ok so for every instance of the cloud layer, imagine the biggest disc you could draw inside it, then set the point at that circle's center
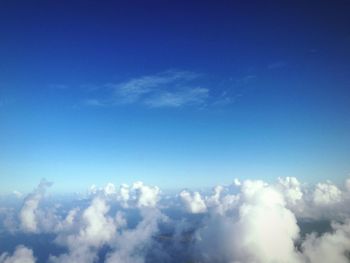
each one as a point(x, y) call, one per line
point(249, 221)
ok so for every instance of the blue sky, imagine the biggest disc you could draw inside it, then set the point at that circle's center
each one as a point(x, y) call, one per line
point(173, 93)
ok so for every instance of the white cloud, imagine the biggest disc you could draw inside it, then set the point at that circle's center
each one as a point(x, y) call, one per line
point(264, 227)
point(124, 195)
point(58, 86)
point(277, 65)
point(134, 89)
point(166, 89)
point(132, 244)
point(249, 221)
point(17, 194)
point(109, 189)
point(137, 195)
point(263, 231)
point(85, 234)
point(324, 201)
point(29, 212)
point(94, 229)
point(215, 198)
point(291, 188)
point(93, 189)
point(193, 202)
point(80, 254)
point(145, 196)
point(68, 222)
point(329, 247)
point(20, 255)
point(98, 228)
point(189, 96)
point(347, 185)
point(326, 193)
point(95, 103)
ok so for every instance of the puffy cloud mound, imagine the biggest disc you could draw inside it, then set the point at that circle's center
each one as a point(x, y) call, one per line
point(268, 228)
point(98, 227)
point(29, 212)
point(85, 233)
point(131, 244)
point(109, 189)
point(326, 193)
point(94, 229)
point(145, 196)
point(137, 195)
point(193, 202)
point(21, 255)
point(291, 188)
point(264, 230)
point(330, 247)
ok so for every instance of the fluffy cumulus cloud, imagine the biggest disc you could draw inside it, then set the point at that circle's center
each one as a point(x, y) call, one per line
point(85, 234)
point(29, 213)
point(131, 245)
point(248, 221)
point(97, 227)
point(109, 189)
point(193, 202)
point(326, 193)
point(263, 230)
point(20, 255)
point(291, 188)
point(330, 247)
point(136, 195)
point(93, 229)
point(144, 195)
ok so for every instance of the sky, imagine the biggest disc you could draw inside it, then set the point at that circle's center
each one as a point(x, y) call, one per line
point(173, 93)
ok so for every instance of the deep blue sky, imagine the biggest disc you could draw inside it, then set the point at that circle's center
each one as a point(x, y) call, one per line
point(173, 93)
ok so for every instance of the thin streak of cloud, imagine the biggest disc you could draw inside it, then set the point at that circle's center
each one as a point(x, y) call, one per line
point(245, 80)
point(58, 86)
point(166, 89)
point(94, 103)
point(277, 65)
point(132, 90)
point(192, 96)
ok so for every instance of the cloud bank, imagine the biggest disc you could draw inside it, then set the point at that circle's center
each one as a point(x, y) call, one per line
point(248, 221)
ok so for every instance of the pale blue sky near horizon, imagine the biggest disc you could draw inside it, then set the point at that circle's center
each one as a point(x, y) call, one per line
point(174, 94)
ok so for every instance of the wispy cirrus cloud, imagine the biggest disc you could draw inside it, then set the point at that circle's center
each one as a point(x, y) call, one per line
point(165, 89)
point(191, 96)
point(58, 86)
point(277, 65)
